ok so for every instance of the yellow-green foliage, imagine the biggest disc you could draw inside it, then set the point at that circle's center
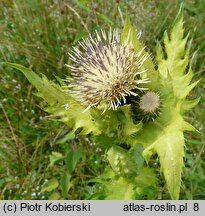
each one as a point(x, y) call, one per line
point(172, 81)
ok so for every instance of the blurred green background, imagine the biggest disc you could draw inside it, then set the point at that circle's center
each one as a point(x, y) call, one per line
point(35, 152)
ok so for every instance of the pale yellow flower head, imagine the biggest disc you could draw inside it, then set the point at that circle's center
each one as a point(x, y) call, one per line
point(105, 71)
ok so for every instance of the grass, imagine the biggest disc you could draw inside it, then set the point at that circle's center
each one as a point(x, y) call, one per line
point(34, 151)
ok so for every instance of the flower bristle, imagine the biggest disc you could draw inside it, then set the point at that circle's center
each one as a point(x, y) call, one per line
point(105, 71)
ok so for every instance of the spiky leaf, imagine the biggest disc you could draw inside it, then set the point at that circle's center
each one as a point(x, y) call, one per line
point(130, 32)
point(59, 103)
point(119, 188)
point(165, 134)
point(121, 162)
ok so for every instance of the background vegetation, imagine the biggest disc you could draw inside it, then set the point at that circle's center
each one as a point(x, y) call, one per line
point(41, 159)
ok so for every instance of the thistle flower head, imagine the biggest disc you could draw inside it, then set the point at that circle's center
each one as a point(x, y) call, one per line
point(149, 102)
point(105, 71)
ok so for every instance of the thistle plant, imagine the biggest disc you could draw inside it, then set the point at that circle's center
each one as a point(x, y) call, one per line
point(109, 72)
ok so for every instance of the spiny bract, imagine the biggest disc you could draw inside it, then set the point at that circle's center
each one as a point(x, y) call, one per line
point(106, 71)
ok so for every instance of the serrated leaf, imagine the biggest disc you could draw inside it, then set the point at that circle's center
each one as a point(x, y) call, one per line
point(60, 103)
point(129, 127)
point(130, 32)
point(146, 184)
point(147, 177)
point(119, 121)
point(172, 68)
point(50, 92)
point(119, 190)
point(108, 123)
point(188, 104)
point(121, 162)
point(181, 86)
point(169, 145)
point(165, 135)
